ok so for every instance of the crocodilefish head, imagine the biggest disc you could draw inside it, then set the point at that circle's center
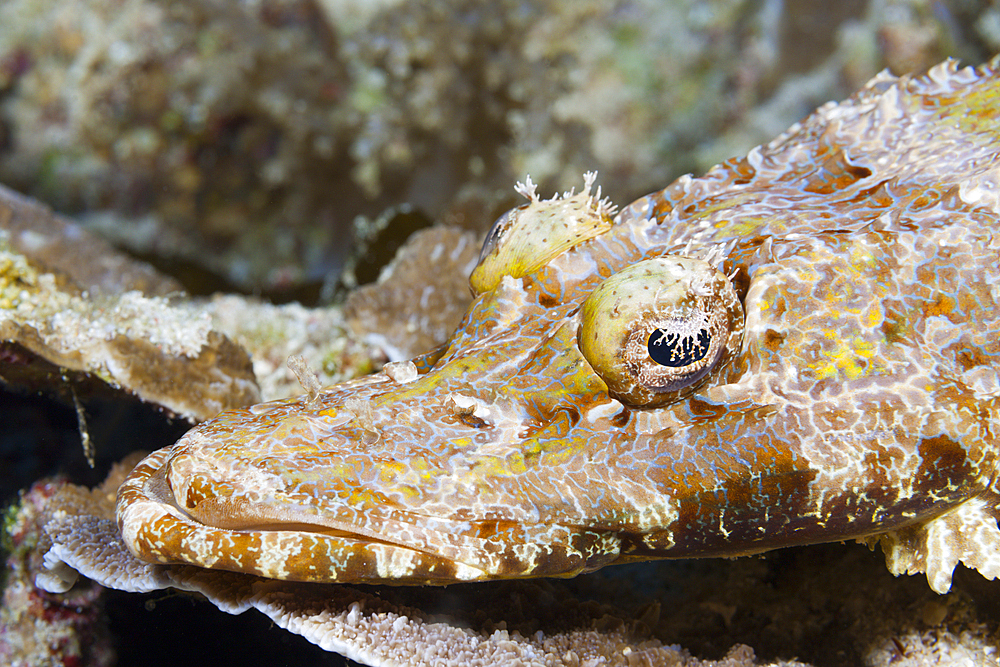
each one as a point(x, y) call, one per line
point(798, 347)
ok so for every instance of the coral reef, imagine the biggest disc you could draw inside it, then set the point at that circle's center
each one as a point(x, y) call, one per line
point(272, 333)
point(88, 327)
point(56, 333)
point(57, 245)
point(37, 628)
point(247, 137)
point(420, 296)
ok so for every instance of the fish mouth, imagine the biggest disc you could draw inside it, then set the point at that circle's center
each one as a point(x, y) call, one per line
point(404, 548)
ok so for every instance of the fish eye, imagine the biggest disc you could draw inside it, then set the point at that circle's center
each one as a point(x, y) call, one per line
point(497, 231)
point(679, 345)
point(654, 331)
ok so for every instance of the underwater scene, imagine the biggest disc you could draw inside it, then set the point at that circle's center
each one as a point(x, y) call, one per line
point(613, 332)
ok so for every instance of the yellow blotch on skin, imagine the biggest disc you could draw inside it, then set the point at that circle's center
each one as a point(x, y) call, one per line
point(942, 305)
point(362, 497)
point(849, 359)
point(495, 466)
point(745, 227)
point(408, 477)
point(873, 317)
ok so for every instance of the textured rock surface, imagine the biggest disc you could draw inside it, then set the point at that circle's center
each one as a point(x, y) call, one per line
point(56, 244)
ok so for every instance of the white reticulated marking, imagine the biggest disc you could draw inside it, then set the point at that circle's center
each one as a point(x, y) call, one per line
point(572, 267)
point(653, 421)
point(277, 549)
point(983, 189)
point(206, 550)
point(401, 372)
point(467, 404)
point(650, 510)
point(464, 572)
point(603, 411)
point(393, 562)
point(335, 421)
point(984, 381)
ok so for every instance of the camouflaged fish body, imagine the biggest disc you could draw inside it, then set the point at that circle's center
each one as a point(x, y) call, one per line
point(800, 346)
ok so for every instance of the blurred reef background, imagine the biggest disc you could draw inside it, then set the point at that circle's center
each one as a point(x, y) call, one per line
point(259, 141)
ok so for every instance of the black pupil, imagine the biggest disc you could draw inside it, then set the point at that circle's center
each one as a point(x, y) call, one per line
point(668, 348)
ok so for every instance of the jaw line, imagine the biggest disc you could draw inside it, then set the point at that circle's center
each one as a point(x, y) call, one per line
point(447, 553)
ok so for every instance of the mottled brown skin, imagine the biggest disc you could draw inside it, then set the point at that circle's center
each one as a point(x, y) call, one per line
point(855, 397)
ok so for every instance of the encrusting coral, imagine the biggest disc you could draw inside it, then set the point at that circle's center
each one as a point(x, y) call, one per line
point(70, 326)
